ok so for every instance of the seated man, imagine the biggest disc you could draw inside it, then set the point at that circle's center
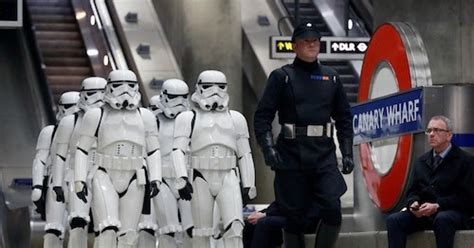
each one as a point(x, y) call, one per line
point(438, 197)
point(263, 229)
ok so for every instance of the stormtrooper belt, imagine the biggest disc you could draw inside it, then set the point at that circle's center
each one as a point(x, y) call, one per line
point(291, 131)
point(213, 163)
point(119, 163)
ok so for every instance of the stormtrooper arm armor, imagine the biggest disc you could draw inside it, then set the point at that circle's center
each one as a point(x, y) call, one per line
point(245, 161)
point(89, 125)
point(182, 133)
point(42, 152)
point(63, 135)
point(153, 158)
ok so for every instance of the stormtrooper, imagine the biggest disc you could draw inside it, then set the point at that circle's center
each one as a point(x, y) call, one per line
point(44, 187)
point(125, 135)
point(91, 96)
point(218, 141)
point(172, 101)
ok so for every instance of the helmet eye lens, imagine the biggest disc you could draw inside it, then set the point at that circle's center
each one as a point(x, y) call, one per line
point(131, 85)
point(116, 85)
point(206, 86)
point(221, 86)
point(174, 96)
point(66, 106)
point(90, 93)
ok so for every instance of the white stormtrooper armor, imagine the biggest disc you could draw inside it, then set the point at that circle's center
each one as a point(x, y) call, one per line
point(92, 90)
point(125, 136)
point(218, 142)
point(172, 101)
point(41, 164)
point(55, 204)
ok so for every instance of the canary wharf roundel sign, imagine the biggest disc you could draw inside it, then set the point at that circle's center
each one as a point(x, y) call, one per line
point(394, 62)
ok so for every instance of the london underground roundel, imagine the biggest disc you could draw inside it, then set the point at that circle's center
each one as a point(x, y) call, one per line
point(395, 61)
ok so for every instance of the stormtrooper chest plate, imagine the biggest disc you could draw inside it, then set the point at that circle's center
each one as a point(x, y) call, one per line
point(213, 128)
point(124, 126)
point(165, 135)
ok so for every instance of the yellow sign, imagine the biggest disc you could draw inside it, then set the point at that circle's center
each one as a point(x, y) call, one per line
point(284, 47)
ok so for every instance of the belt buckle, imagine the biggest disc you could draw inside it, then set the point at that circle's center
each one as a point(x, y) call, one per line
point(314, 130)
point(289, 131)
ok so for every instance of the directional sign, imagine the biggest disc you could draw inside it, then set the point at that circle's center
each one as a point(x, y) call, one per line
point(331, 47)
point(349, 46)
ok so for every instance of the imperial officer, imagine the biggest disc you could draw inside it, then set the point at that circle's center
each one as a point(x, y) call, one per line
point(310, 100)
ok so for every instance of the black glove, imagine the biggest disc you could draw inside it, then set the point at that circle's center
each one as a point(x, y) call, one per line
point(154, 188)
point(271, 155)
point(245, 196)
point(347, 157)
point(40, 203)
point(82, 194)
point(59, 193)
point(186, 191)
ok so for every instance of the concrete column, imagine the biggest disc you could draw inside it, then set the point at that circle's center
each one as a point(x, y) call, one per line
point(447, 29)
point(205, 34)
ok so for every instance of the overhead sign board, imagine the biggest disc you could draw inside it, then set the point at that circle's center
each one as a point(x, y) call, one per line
point(331, 47)
point(11, 13)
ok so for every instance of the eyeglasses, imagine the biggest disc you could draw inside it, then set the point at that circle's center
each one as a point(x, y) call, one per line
point(435, 130)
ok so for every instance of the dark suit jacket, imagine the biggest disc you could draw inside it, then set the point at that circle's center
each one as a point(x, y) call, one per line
point(450, 184)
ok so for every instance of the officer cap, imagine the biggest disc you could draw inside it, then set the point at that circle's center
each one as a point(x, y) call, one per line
point(305, 30)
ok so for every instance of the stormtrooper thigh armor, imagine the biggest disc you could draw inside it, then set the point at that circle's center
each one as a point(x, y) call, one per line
point(221, 185)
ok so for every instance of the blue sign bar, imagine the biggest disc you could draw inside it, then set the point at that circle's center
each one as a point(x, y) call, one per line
point(463, 139)
point(389, 116)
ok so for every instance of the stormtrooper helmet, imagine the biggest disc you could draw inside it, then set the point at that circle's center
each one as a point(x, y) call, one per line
point(211, 91)
point(67, 104)
point(173, 98)
point(92, 93)
point(154, 105)
point(121, 91)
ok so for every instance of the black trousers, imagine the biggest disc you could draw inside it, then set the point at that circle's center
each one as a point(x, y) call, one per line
point(302, 192)
point(267, 233)
point(444, 224)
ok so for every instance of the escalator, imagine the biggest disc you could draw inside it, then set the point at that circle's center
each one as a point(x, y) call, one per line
point(347, 74)
point(64, 59)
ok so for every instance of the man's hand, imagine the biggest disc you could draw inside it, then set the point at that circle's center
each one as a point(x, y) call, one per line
point(272, 156)
point(81, 190)
point(428, 209)
point(254, 217)
point(154, 188)
point(185, 189)
point(347, 165)
point(58, 190)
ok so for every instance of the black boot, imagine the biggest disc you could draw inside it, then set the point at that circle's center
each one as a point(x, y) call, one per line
point(292, 240)
point(326, 236)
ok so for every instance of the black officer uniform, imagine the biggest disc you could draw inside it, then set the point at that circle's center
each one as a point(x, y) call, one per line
point(306, 96)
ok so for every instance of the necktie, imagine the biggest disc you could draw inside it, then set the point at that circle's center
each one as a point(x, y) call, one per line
point(437, 160)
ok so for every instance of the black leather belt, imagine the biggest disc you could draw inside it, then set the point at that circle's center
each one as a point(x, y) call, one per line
point(290, 131)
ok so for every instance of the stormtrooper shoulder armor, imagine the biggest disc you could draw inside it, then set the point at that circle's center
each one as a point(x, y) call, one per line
point(45, 138)
point(183, 124)
point(240, 124)
point(90, 122)
point(149, 122)
point(65, 128)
